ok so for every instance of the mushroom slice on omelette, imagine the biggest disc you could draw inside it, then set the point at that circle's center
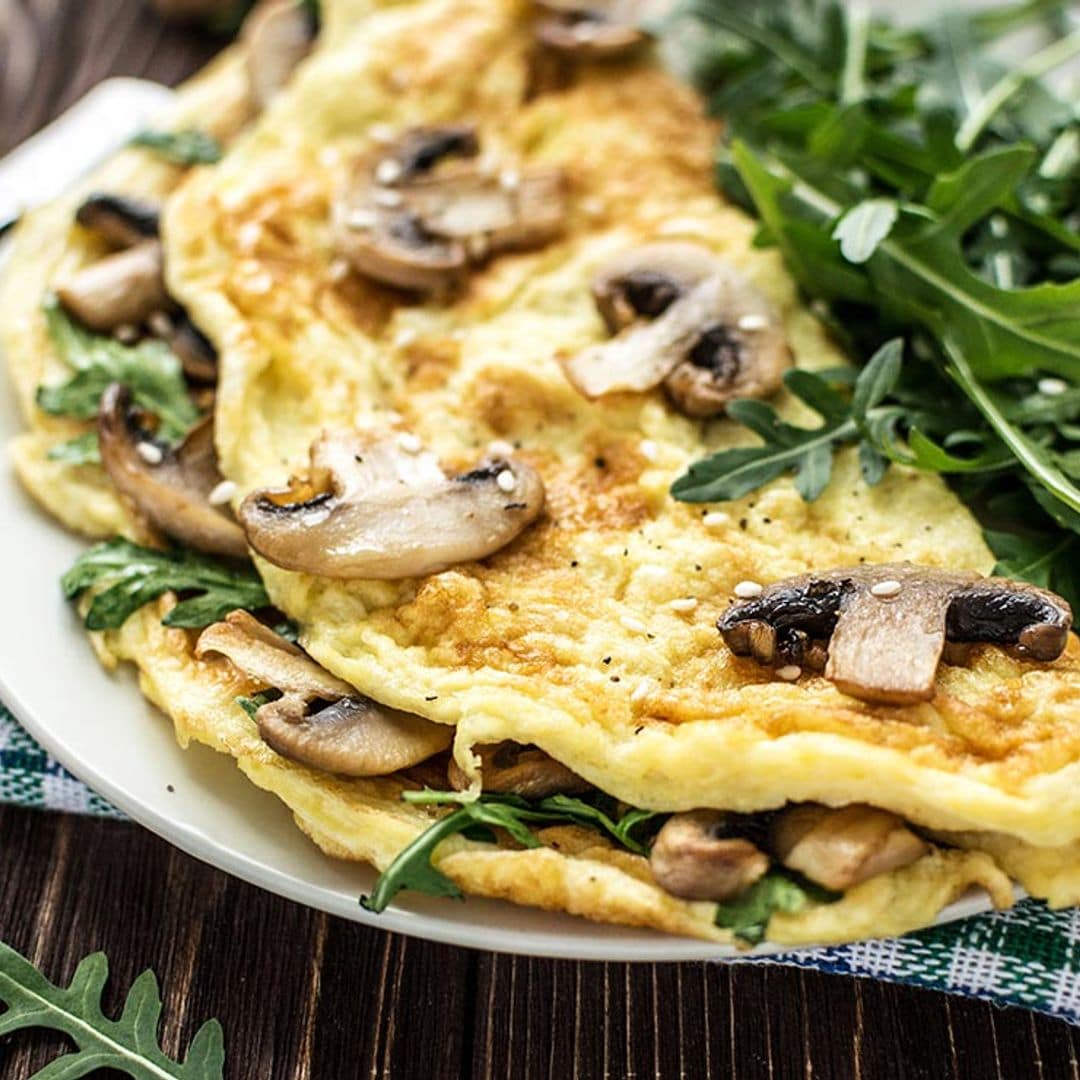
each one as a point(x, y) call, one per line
point(477, 546)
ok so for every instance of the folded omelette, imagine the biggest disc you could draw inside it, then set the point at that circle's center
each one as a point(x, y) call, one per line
point(475, 305)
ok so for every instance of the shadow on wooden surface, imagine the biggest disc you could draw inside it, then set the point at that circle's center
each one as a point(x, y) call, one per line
point(303, 995)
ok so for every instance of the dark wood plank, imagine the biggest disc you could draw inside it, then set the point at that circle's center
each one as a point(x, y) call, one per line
point(303, 995)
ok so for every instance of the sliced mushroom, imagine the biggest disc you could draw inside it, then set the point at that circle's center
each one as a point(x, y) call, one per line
point(277, 35)
point(695, 858)
point(194, 349)
point(686, 320)
point(319, 720)
point(843, 847)
point(169, 487)
point(125, 288)
point(120, 219)
point(420, 213)
point(520, 770)
point(371, 508)
point(881, 630)
point(591, 28)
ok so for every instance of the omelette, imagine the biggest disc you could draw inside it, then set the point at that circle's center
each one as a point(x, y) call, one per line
point(475, 305)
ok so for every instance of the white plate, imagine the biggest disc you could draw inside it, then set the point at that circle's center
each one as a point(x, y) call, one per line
point(100, 728)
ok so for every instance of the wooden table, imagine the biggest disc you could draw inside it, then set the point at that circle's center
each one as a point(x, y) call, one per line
point(301, 994)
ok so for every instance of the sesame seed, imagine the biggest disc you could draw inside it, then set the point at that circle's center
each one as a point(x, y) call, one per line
point(389, 198)
point(126, 334)
point(885, 589)
point(222, 494)
point(382, 133)
point(260, 283)
point(329, 156)
point(642, 690)
point(388, 171)
point(500, 448)
point(405, 337)
point(585, 31)
point(789, 673)
point(151, 454)
point(715, 518)
point(635, 626)
point(249, 235)
point(999, 226)
point(160, 324)
point(592, 207)
point(747, 590)
point(506, 480)
point(338, 270)
point(1052, 387)
point(649, 450)
point(361, 219)
point(509, 179)
point(753, 322)
point(684, 603)
point(409, 442)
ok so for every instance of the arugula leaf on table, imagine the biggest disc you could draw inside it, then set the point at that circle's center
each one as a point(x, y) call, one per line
point(188, 146)
point(748, 914)
point(125, 576)
point(129, 1044)
point(149, 369)
point(413, 868)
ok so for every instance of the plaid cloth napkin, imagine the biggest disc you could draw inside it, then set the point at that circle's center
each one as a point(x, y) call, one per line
point(1028, 956)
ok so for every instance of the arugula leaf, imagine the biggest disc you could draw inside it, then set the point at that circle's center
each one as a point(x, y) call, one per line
point(747, 915)
point(251, 705)
point(864, 226)
point(149, 369)
point(129, 1044)
point(917, 188)
point(124, 577)
point(81, 450)
point(188, 146)
point(786, 448)
point(412, 868)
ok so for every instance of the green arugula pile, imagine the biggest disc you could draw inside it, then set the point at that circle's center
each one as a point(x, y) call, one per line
point(128, 1044)
point(923, 191)
point(124, 577)
point(474, 819)
point(149, 370)
point(189, 146)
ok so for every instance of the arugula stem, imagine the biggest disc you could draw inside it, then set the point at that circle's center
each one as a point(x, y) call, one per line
point(853, 82)
point(1036, 66)
point(1028, 455)
point(727, 19)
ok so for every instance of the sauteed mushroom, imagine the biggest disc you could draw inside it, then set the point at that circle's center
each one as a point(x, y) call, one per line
point(278, 35)
point(125, 288)
point(684, 319)
point(320, 720)
point(169, 487)
point(197, 355)
point(591, 28)
point(120, 219)
point(843, 847)
point(693, 858)
point(373, 508)
point(520, 770)
point(421, 212)
point(885, 627)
